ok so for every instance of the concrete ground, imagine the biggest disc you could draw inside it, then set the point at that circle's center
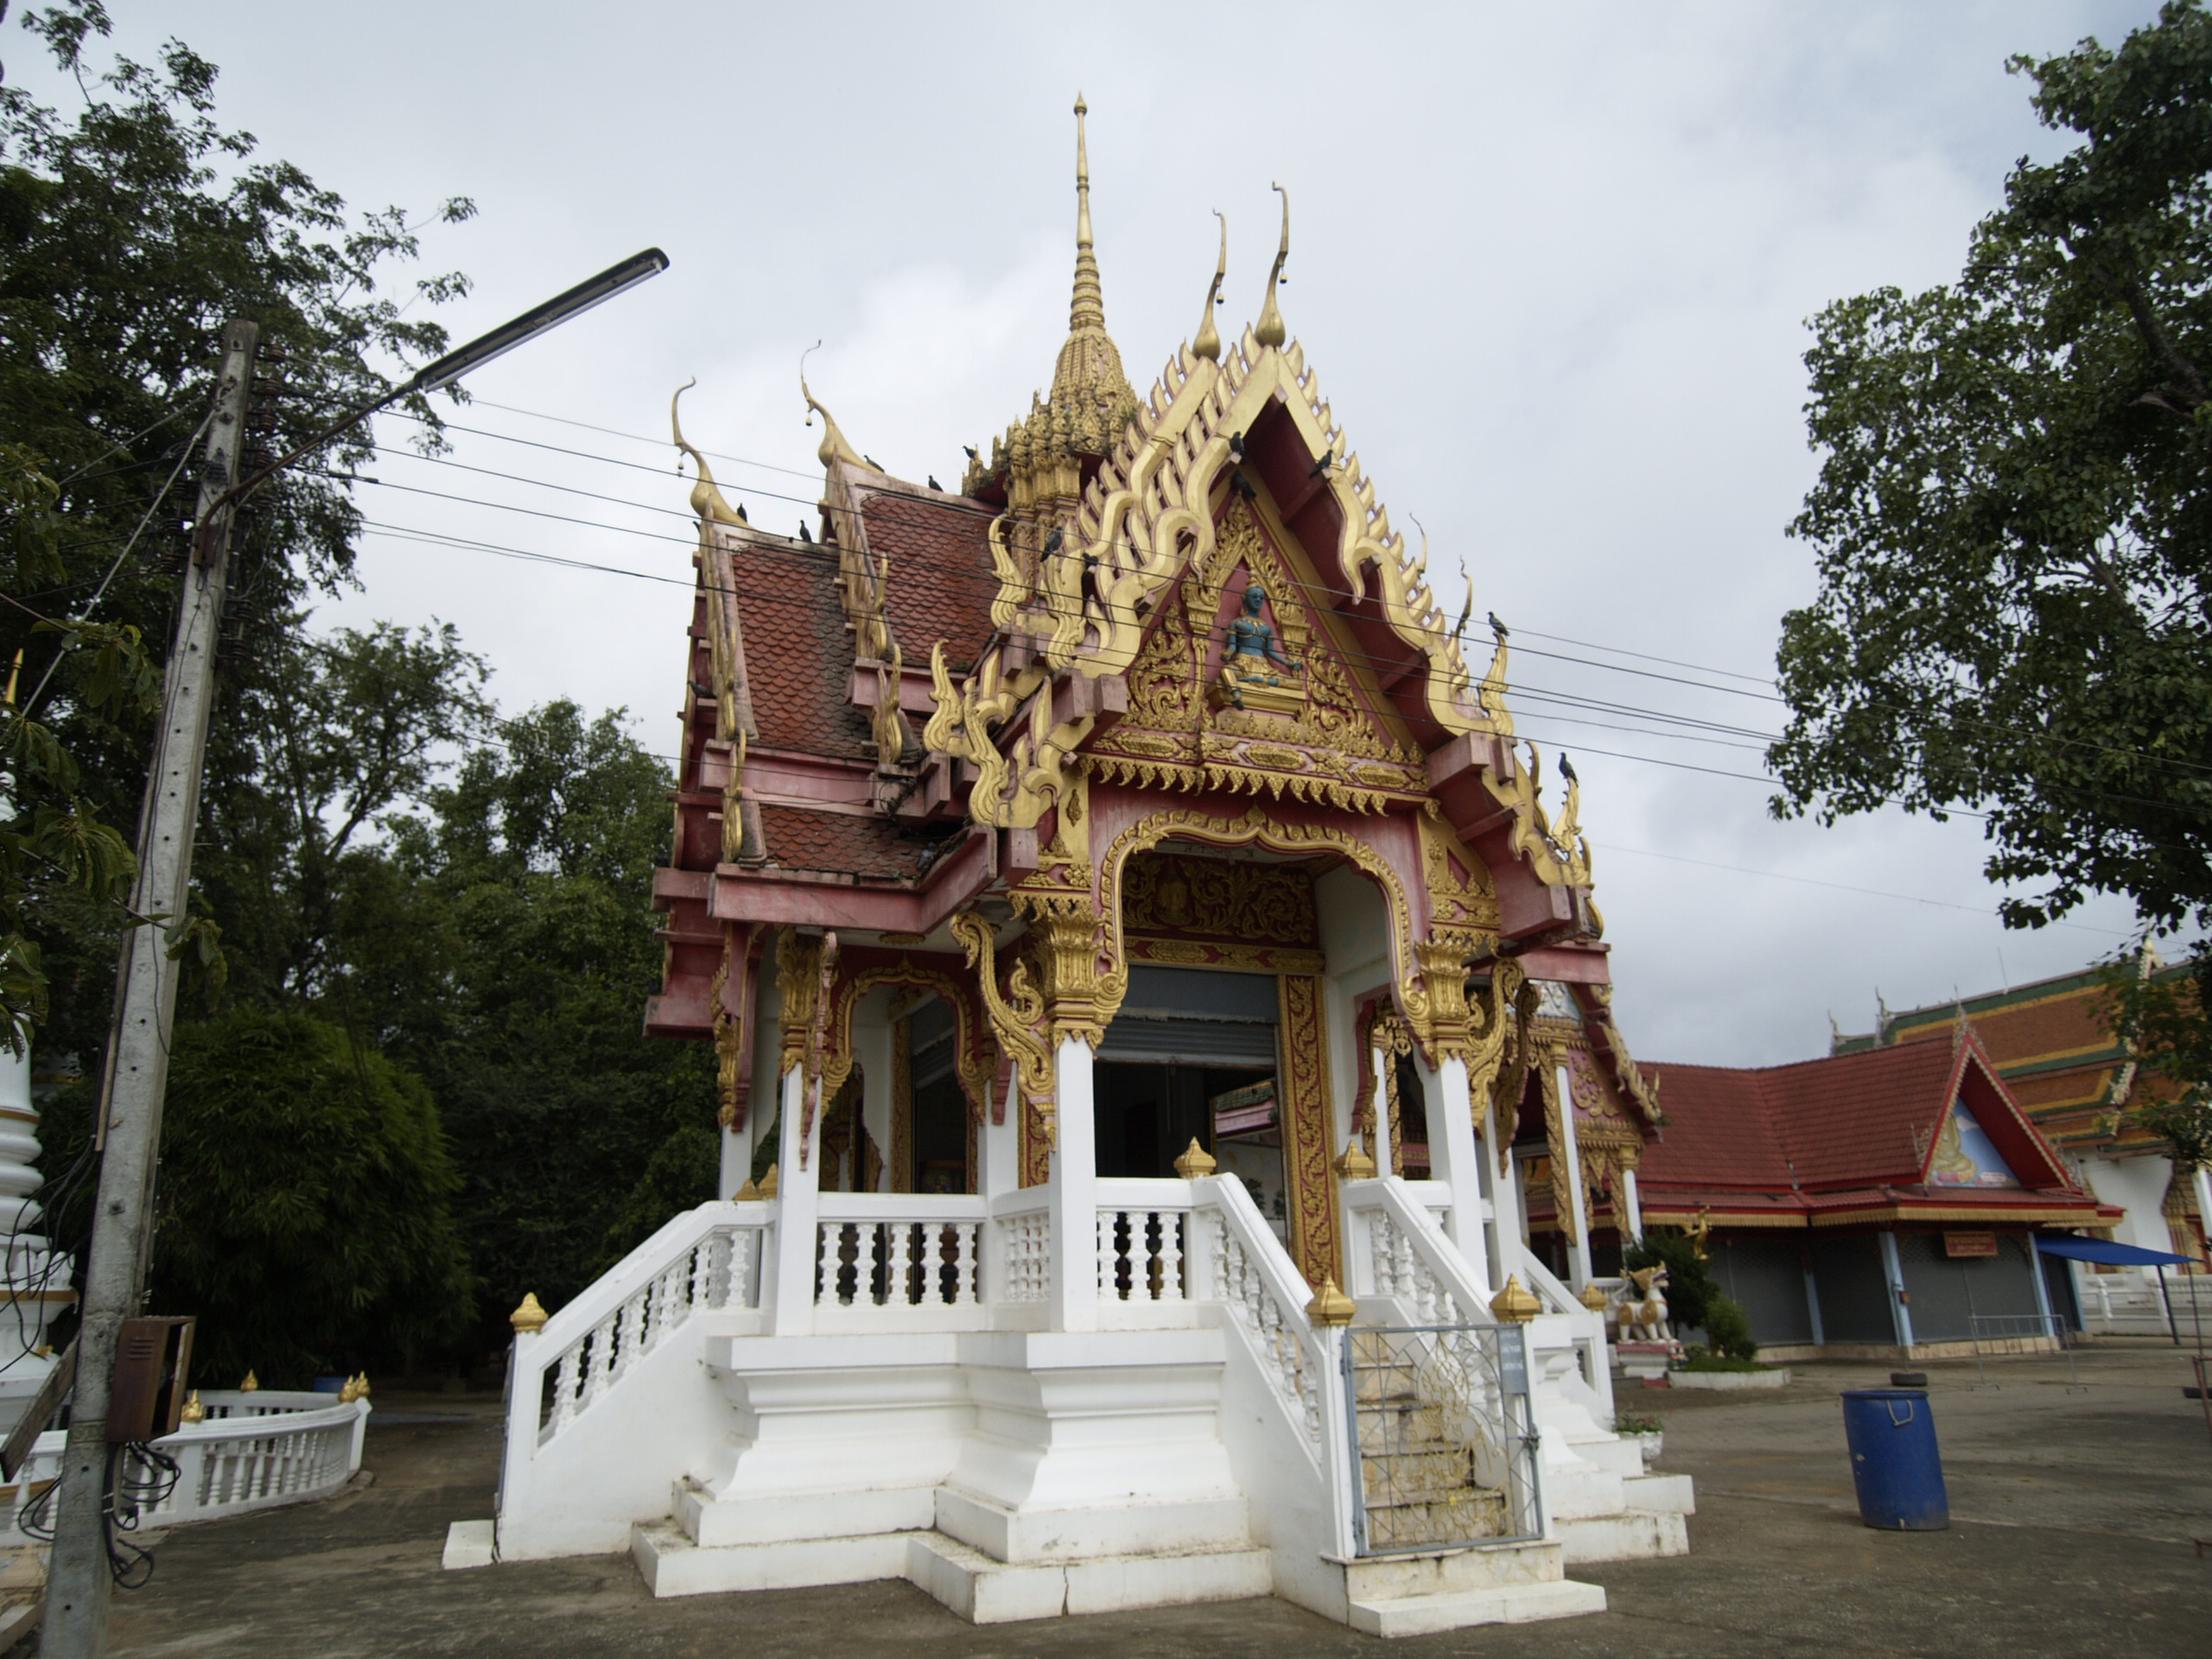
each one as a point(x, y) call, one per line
point(2073, 1517)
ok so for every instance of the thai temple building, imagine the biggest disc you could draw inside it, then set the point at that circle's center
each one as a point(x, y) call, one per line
point(1142, 965)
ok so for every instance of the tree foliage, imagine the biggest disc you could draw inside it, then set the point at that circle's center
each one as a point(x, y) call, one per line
point(304, 1211)
point(2013, 518)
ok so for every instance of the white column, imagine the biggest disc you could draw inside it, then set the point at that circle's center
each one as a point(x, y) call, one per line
point(1378, 1114)
point(798, 1192)
point(1074, 1212)
point(998, 1147)
point(1635, 1205)
point(871, 1054)
point(1579, 1258)
point(2202, 1179)
point(1501, 1230)
point(36, 1285)
point(1455, 1160)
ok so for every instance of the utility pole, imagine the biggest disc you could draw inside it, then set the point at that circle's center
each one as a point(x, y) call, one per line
point(129, 1129)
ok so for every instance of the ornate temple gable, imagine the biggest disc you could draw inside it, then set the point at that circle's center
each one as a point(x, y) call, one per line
point(1318, 731)
point(1215, 912)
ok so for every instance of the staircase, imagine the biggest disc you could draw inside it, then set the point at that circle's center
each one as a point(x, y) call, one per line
point(921, 1423)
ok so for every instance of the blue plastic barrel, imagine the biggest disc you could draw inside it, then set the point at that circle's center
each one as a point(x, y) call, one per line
point(1894, 1462)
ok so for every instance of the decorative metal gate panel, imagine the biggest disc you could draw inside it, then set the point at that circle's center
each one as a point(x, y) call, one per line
point(1443, 1447)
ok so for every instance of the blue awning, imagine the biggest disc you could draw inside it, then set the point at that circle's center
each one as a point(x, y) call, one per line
point(2117, 1255)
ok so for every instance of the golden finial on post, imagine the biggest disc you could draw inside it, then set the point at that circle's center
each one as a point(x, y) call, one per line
point(1331, 1305)
point(192, 1411)
point(1513, 1306)
point(1594, 1298)
point(1208, 343)
point(768, 1182)
point(1353, 1164)
point(1195, 1162)
point(531, 1316)
point(251, 1385)
point(747, 1193)
point(1269, 330)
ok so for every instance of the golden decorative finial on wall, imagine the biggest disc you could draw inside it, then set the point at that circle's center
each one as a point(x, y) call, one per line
point(530, 1316)
point(1269, 331)
point(1208, 343)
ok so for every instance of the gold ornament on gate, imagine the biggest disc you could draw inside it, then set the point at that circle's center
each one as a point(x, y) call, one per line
point(530, 1316)
point(1195, 1162)
point(1513, 1306)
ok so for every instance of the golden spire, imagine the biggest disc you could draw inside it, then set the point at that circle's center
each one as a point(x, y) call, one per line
point(1208, 343)
point(1269, 330)
point(1089, 372)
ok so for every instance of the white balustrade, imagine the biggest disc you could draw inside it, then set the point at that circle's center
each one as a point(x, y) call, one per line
point(705, 1259)
point(896, 1254)
point(1143, 1241)
point(1252, 1277)
point(1023, 1224)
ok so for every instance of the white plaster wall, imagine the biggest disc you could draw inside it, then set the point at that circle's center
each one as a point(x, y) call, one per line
point(2139, 1185)
point(760, 1108)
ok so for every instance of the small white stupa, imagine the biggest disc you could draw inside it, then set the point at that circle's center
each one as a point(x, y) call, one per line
point(33, 1281)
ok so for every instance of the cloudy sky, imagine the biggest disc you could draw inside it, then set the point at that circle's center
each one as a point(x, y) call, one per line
point(1553, 263)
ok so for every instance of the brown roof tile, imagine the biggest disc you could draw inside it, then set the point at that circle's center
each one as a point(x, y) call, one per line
point(940, 583)
point(838, 842)
point(797, 654)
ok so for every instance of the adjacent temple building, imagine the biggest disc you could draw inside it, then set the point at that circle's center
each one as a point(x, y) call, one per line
point(1134, 942)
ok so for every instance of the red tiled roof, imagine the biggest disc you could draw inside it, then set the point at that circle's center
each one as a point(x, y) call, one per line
point(797, 654)
point(939, 583)
point(838, 842)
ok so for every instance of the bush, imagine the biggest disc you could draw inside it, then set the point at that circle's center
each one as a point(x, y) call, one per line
point(1728, 1329)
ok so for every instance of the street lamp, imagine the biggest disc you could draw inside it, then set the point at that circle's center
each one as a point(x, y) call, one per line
point(137, 1057)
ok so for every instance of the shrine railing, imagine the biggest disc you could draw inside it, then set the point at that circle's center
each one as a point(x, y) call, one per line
point(914, 1260)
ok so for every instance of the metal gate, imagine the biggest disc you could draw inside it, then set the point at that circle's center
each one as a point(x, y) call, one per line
point(1443, 1447)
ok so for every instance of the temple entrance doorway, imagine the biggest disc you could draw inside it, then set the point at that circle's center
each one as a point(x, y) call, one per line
point(1192, 1056)
point(932, 1130)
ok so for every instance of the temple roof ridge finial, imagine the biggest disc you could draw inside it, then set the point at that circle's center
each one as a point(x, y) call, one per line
point(1089, 370)
point(706, 498)
point(833, 446)
point(1207, 344)
point(1269, 330)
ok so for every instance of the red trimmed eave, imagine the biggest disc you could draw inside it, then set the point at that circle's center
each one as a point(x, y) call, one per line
point(2032, 1158)
point(784, 896)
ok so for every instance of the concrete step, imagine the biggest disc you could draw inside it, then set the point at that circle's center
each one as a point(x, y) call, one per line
point(981, 1589)
point(1669, 1494)
point(1515, 1604)
point(1630, 1535)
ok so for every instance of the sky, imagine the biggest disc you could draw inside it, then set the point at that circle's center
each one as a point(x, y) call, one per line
point(1554, 266)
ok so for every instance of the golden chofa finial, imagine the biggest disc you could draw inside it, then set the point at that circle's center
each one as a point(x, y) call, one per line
point(1208, 343)
point(833, 446)
point(1087, 307)
point(706, 499)
point(1269, 330)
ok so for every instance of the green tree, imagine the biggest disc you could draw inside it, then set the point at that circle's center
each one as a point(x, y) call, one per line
point(576, 1133)
point(2013, 523)
point(130, 229)
point(305, 1206)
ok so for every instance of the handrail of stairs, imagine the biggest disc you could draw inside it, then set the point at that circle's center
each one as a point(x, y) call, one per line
point(1584, 1328)
point(1398, 1250)
point(706, 1258)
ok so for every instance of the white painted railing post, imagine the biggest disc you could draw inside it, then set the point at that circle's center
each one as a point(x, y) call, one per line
point(798, 1187)
point(1074, 1202)
point(1452, 1132)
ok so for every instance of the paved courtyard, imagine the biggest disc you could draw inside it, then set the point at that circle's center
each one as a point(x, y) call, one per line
point(2074, 1513)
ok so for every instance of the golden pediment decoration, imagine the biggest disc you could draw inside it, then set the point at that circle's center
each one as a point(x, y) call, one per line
point(1216, 898)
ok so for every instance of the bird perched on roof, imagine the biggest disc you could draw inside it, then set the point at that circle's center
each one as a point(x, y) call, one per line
point(1567, 768)
point(803, 534)
point(935, 485)
point(1052, 540)
point(1498, 628)
point(1320, 467)
point(1236, 445)
point(970, 449)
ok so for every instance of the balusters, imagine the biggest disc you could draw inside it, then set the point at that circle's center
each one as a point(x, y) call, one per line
point(1107, 1290)
point(825, 1265)
point(1169, 1282)
point(864, 1263)
point(963, 1263)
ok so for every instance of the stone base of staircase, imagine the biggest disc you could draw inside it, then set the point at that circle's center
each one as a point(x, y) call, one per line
point(1450, 1590)
point(978, 1587)
point(1653, 1523)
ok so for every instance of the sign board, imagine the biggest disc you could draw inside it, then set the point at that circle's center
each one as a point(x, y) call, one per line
point(1513, 1358)
point(1969, 1243)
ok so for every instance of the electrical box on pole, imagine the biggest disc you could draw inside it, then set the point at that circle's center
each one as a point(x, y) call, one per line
point(129, 1125)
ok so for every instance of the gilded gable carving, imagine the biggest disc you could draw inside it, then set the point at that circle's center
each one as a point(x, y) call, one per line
point(1214, 898)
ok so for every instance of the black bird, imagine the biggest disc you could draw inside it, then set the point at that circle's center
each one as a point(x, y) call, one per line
point(1243, 486)
point(1052, 541)
point(741, 518)
point(1236, 446)
point(803, 536)
point(1567, 768)
point(1319, 467)
point(970, 449)
point(935, 485)
point(872, 462)
point(1498, 628)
